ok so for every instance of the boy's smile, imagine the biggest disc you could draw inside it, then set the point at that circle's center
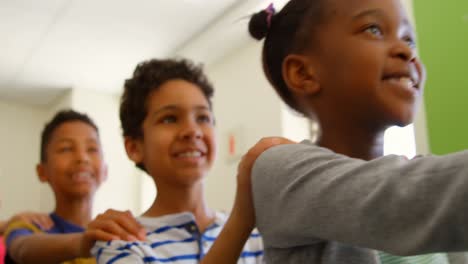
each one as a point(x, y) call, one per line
point(190, 155)
point(74, 165)
point(82, 176)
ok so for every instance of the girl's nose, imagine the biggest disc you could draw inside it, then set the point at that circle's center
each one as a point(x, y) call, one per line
point(403, 50)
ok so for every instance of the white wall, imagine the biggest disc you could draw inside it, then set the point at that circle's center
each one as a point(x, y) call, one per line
point(243, 102)
point(121, 189)
point(246, 106)
point(294, 126)
point(20, 189)
point(20, 129)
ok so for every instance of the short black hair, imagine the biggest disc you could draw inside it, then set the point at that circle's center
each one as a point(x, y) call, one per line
point(61, 117)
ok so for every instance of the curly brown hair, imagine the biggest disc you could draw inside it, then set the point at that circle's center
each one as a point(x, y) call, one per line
point(147, 78)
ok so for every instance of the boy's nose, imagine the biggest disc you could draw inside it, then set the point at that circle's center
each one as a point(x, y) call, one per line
point(82, 156)
point(191, 131)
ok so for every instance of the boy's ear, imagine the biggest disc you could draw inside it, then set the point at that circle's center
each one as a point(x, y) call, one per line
point(300, 75)
point(105, 172)
point(134, 148)
point(41, 172)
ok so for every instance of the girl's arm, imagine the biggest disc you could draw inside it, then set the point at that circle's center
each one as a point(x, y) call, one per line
point(304, 194)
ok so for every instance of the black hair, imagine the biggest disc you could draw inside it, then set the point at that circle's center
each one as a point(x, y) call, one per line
point(289, 31)
point(61, 117)
point(147, 78)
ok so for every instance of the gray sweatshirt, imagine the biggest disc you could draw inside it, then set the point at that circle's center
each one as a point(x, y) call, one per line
point(315, 206)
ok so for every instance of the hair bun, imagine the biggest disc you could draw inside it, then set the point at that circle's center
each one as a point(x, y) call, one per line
point(259, 25)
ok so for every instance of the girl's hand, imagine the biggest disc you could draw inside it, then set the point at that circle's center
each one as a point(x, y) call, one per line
point(243, 205)
point(111, 225)
point(228, 246)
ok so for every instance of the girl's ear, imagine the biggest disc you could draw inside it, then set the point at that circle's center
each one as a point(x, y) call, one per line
point(134, 148)
point(300, 75)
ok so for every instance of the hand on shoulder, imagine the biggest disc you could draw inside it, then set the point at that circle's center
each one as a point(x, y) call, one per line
point(245, 166)
point(243, 205)
point(41, 220)
point(111, 225)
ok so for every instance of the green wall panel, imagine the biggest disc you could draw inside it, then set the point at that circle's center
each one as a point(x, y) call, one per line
point(442, 28)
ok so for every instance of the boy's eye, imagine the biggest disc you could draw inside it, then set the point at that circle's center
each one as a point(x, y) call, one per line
point(374, 30)
point(93, 149)
point(64, 149)
point(205, 118)
point(169, 119)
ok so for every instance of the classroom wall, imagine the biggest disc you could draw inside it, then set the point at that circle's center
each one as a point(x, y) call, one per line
point(246, 108)
point(443, 41)
point(22, 124)
point(121, 190)
point(20, 188)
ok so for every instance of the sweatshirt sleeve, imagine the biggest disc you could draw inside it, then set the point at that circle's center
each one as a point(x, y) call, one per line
point(304, 194)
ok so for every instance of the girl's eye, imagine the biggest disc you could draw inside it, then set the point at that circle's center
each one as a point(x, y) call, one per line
point(168, 119)
point(410, 41)
point(374, 30)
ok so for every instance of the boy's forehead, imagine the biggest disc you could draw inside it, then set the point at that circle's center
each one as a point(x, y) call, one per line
point(178, 93)
point(74, 130)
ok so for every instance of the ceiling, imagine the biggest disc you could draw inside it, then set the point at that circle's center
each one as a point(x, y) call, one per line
point(49, 46)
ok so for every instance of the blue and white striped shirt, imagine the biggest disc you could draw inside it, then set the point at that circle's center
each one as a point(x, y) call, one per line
point(176, 239)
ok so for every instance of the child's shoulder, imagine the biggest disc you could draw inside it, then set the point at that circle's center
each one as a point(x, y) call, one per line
point(279, 156)
point(19, 228)
point(62, 226)
point(303, 146)
point(166, 223)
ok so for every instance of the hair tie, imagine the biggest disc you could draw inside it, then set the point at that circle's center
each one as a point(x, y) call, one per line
point(270, 10)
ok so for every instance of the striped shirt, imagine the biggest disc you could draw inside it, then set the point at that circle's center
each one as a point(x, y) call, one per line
point(439, 258)
point(176, 239)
